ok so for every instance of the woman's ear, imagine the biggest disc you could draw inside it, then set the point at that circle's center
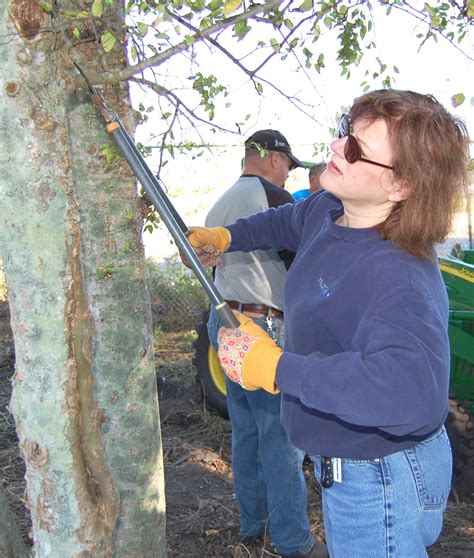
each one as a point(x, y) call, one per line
point(399, 191)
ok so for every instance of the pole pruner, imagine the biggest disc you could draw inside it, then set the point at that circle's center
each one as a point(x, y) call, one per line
point(157, 195)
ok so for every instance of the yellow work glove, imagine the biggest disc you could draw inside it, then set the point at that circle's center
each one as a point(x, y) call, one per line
point(248, 355)
point(209, 244)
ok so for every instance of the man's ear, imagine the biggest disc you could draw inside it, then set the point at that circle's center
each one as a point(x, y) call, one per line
point(399, 191)
point(274, 158)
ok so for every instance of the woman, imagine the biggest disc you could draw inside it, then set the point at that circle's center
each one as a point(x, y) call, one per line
point(364, 372)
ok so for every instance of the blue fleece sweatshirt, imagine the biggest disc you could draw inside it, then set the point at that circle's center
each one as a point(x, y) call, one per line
point(365, 368)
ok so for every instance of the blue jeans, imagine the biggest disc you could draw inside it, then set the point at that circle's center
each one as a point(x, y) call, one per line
point(390, 507)
point(268, 470)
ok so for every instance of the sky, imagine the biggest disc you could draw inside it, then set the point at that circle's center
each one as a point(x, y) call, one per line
point(195, 182)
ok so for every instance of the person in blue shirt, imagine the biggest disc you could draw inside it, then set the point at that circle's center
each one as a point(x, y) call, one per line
point(314, 173)
point(364, 371)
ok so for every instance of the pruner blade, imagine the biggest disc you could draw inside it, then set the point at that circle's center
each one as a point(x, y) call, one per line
point(107, 112)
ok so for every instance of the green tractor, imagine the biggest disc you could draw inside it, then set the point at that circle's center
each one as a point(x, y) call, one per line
point(458, 275)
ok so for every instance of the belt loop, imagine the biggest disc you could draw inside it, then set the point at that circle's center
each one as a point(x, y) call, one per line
point(239, 307)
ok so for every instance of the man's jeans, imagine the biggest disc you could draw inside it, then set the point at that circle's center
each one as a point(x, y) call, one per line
point(268, 473)
point(390, 507)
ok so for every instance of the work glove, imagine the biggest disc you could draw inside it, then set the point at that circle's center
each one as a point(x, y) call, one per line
point(209, 244)
point(249, 356)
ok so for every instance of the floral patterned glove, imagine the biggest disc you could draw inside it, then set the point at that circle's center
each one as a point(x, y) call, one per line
point(248, 355)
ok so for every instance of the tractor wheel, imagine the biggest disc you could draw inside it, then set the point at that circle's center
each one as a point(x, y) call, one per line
point(209, 371)
point(459, 425)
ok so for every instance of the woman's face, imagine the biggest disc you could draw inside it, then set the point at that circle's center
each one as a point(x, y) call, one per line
point(363, 184)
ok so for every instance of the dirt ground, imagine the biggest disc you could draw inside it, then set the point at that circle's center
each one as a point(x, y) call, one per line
point(202, 515)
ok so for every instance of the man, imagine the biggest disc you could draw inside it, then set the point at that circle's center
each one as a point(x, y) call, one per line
point(315, 171)
point(268, 476)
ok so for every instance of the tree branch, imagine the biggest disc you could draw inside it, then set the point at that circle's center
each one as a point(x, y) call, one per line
point(126, 73)
point(176, 101)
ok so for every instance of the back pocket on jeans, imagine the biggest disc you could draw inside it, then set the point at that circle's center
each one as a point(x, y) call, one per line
point(431, 464)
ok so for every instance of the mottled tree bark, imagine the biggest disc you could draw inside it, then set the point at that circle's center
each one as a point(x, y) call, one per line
point(84, 389)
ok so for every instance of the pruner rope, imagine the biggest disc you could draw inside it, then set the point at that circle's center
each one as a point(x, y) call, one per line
point(106, 110)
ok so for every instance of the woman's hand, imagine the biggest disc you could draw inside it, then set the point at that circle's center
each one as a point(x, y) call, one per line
point(248, 355)
point(209, 244)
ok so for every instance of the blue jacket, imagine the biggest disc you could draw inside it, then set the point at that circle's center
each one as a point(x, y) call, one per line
point(365, 368)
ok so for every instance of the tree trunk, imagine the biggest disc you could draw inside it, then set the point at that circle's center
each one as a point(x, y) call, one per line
point(84, 389)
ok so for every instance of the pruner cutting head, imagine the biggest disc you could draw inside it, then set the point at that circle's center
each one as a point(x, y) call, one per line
point(108, 113)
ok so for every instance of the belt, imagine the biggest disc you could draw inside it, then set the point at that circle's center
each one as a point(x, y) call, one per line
point(255, 308)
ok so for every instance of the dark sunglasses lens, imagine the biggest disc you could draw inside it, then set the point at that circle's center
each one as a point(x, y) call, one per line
point(352, 150)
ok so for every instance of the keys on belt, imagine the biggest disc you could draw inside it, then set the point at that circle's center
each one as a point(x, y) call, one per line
point(331, 471)
point(327, 476)
point(262, 309)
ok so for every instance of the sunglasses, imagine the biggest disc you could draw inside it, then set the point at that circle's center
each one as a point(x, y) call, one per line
point(352, 150)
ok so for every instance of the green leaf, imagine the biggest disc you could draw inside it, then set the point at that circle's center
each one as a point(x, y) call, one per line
point(76, 33)
point(458, 99)
point(305, 6)
point(259, 87)
point(198, 5)
point(241, 28)
point(106, 271)
point(275, 44)
point(215, 5)
point(189, 40)
point(343, 10)
point(108, 41)
point(231, 6)
point(47, 6)
point(75, 14)
point(143, 28)
point(111, 155)
point(97, 8)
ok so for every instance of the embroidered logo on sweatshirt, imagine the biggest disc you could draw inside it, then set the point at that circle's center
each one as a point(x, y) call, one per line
point(324, 290)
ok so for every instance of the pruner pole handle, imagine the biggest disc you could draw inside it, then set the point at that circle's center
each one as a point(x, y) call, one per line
point(226, 316)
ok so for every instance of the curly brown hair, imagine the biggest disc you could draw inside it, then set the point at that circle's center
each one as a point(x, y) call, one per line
point(430, 158)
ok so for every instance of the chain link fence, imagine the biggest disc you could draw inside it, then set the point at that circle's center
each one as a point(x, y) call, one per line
point(178, 300)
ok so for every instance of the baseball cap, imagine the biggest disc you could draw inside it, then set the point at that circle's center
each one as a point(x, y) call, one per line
point(272, 140)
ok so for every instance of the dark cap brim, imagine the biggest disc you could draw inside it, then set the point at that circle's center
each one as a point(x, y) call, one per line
point(296, 162)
